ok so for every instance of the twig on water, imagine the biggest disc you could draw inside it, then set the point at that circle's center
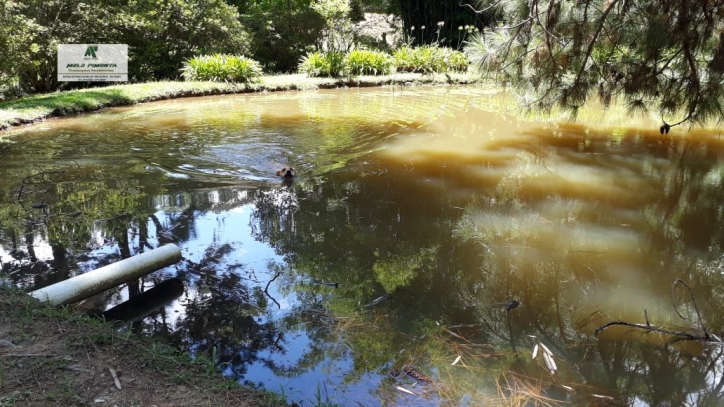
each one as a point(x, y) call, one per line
point(40, 174)
point(653, 328)
point(267, 287)
point(693, 300)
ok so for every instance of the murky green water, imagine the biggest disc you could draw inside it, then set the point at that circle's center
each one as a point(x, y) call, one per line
point(416, 217)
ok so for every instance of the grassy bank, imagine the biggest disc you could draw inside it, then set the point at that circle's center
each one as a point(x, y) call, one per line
point(53, 357)
point(37, 108)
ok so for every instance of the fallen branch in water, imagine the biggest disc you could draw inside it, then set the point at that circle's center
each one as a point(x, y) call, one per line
point(693, 300)
point(654, 328)
point(707, 337)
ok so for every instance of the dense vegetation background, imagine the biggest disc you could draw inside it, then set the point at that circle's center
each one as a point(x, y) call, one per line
point(161, 34)
point(666, 57)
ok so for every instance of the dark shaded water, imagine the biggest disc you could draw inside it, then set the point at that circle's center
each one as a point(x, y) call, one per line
point(416, 217)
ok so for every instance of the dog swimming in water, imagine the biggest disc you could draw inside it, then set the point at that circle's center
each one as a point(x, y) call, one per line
point(287, 173)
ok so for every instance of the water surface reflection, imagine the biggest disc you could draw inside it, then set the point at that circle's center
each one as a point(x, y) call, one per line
point(417, 216)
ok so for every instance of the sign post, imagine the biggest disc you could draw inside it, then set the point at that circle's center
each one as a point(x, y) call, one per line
point(92, 63)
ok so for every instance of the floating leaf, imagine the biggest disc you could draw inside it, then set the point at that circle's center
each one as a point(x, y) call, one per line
point(545, 348)
point(457, 359)
point(404, 390)
point(535, 351)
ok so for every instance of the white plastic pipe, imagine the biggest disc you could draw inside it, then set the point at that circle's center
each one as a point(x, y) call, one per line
point(93, 282)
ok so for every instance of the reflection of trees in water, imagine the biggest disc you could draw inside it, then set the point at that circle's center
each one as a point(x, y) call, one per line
point(349, 229)
point(561, 276)
point(224, 316)
point(358, 232)
point(381, 233)
point(79, 214)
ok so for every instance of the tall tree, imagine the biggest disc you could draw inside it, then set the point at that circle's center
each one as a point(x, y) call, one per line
point(281, 31)
point(661, 56)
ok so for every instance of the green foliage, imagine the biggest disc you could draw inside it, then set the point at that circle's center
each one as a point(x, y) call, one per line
point(323, 64)
point(393, 271)
point(375, 6)
point(356, 14)
point(160, 34)
point(163, 33)
point(429, 59)
point(249, 6)
point(15, 33)
point(221, 68)
point(338, 34)
point(664, 56)
point(456, 61)
point(282, 32)
point(364, 62)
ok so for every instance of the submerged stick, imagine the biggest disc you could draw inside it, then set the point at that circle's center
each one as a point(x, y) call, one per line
point(653, 328)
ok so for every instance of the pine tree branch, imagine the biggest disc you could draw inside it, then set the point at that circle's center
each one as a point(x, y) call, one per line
point(461, 4)
point(592, 43)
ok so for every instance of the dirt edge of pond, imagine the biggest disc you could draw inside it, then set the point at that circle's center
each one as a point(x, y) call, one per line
point(53, 357)
point(35, 109)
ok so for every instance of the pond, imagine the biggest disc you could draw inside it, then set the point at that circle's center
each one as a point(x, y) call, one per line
point(429, 247)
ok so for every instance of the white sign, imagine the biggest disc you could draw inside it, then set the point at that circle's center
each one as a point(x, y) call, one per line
point(92, 63)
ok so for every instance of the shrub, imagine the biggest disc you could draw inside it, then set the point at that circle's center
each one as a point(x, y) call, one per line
point(429, 59)
point(221, 68)
point(404, 60)
point(456, 61)
point(322, 64)
point(364, 62)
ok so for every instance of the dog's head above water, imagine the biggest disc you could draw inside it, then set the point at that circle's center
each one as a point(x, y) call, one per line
point(287, 172)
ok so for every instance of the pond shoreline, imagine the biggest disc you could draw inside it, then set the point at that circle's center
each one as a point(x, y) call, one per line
point(38, 108)
point(70, 354)
point(56, 356)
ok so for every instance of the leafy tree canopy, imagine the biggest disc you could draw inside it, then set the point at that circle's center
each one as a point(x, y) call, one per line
point(666, 57)
point(160, 34)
